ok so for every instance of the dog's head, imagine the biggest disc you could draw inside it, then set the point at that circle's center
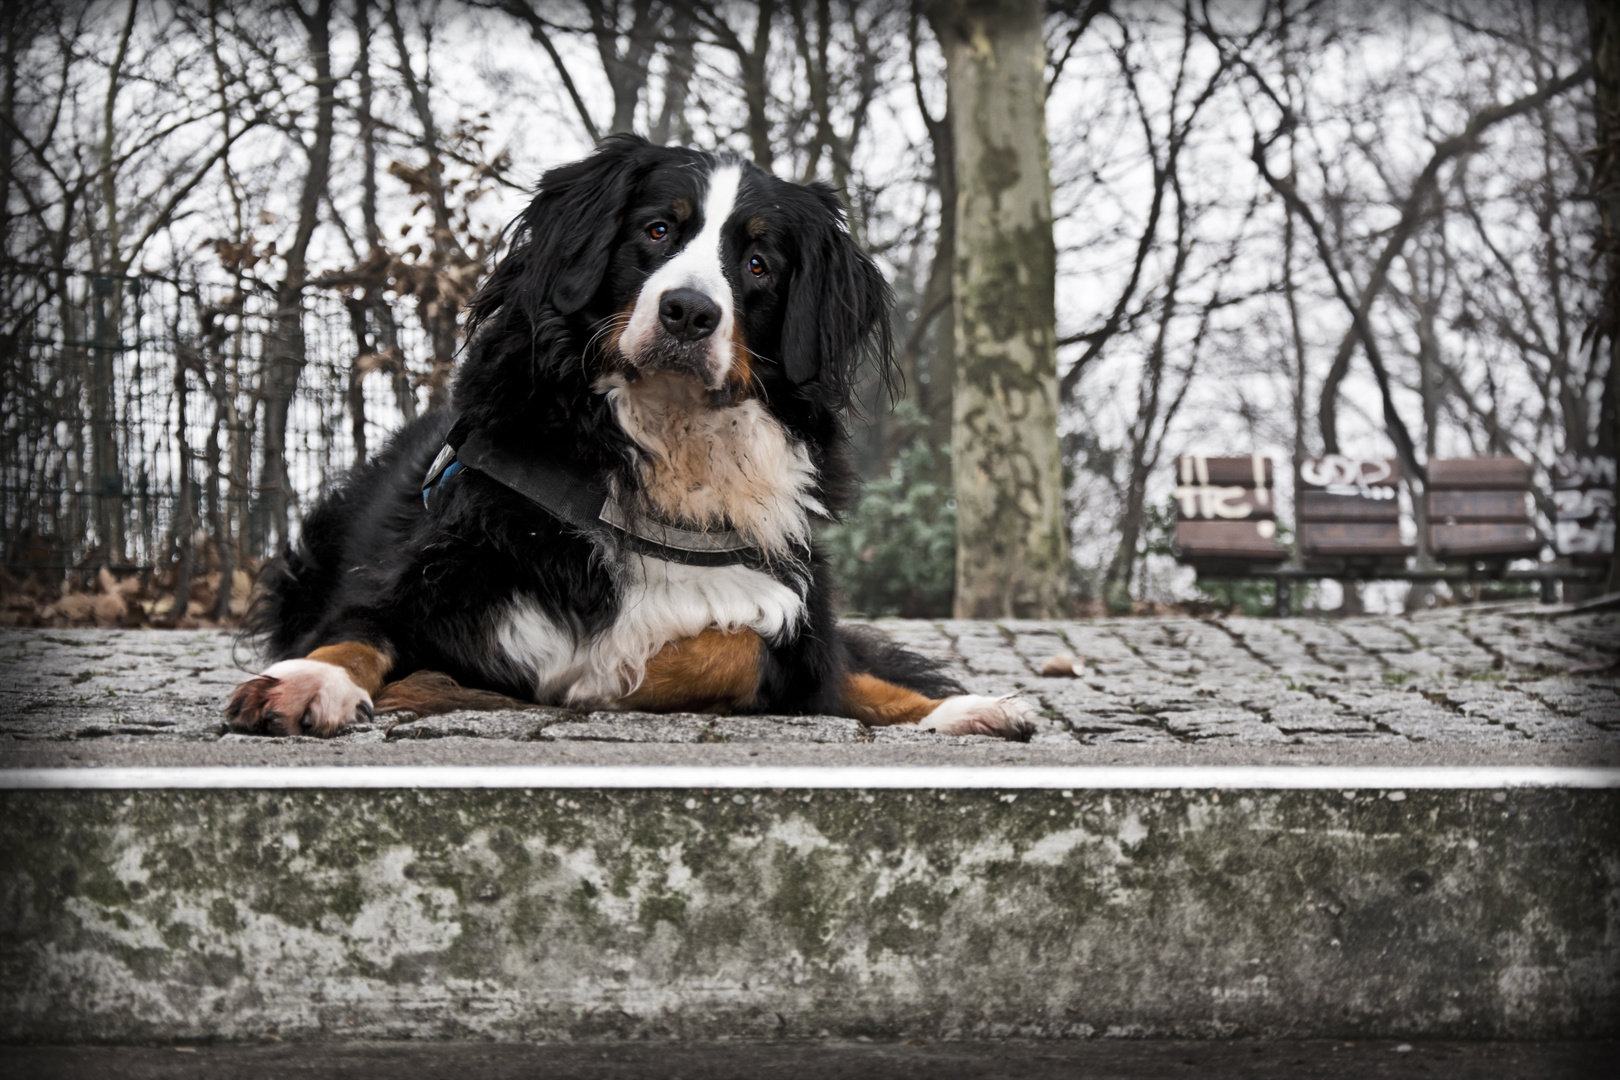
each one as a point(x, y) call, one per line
point(678, 262)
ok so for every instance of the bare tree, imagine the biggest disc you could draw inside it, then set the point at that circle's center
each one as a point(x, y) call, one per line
point(287, 348)
point(1012, 549)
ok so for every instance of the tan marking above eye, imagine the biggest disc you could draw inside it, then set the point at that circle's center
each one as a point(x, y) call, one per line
point(756, 227)
point(683, 209)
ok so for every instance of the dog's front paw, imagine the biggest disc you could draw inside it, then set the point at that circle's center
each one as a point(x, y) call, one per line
point(1009, 717)
point(298, 697)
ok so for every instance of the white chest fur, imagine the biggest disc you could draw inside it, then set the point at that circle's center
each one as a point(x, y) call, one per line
point(708, 468)
point(659, 602)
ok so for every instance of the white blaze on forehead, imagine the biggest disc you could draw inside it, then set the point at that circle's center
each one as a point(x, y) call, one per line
point(699, 265)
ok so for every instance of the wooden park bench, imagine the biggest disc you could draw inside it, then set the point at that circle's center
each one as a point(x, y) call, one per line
point(1479, 510)
point(1349, 514)
point(1226, 514)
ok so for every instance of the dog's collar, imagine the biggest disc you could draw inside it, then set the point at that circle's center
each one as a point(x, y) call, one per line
point(587, 504)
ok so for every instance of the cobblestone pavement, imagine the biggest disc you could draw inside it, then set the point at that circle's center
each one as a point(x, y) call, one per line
point(1485, 676)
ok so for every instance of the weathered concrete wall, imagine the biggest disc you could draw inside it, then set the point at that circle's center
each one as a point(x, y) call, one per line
point(510, 914)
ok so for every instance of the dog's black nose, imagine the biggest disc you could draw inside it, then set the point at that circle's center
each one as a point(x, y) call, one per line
point(688, 315)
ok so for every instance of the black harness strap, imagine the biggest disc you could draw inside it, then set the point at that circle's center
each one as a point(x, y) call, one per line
point(570, 498)
point(586, 504)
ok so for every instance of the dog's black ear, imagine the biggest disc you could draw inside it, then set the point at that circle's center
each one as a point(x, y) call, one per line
point(562, 243)
point(837, 312)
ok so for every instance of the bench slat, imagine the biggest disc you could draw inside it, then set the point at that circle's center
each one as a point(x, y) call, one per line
point(1349, 538)
point(1211, 503)
point(1481, 538)
point(1225, 471)
point(1453, 507)
point(1198, 541)
point(1478, 474)
point(1326, 506)
point(1343, 475)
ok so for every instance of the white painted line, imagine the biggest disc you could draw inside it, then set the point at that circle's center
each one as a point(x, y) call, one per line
point(1107, 778)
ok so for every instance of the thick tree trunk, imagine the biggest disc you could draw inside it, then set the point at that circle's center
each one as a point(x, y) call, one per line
point(1011, 544)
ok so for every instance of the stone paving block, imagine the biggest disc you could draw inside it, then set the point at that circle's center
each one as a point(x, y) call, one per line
point(1582, 647)
point(904, 735)
point(1595, 702)
point(1152, 696)
point(1273, 644)
point(1096, 643)
point(984, 649)
point(1415, 662)
point(1328, 647)
point(1238, 725)
point(1222, 652)
point(1035, 648)
point(1410, 715)
point(1130, 736)
point(1524, 644)
point(1072, 695)
point(1516, 711)
point(922, 637)
point(630, 728)
point(1463, 658)
point(799, 729)
point(1084, 723)
point(1430, 633)
point(1376, 637)
point(504, 724)
point(1163, 645)
point(1317, 716)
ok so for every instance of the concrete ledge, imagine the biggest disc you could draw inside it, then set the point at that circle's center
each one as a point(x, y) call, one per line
point(551, 913)
point(826, 1059)
point(1403, 828)
point(802, 777)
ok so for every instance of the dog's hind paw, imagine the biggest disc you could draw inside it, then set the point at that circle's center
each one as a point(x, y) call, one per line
point(298, 697)
point(1009, 717)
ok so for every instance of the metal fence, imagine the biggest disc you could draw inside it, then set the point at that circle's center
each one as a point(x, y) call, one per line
point(133, 413)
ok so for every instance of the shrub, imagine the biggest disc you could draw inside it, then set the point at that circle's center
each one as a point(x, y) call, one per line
point(895, 554)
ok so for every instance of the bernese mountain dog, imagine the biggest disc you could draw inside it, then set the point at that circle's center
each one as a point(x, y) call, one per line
point(617, 510)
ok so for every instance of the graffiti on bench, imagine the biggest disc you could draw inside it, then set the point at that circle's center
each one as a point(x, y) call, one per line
point(1225, 489)
point(1222, 503)
point(1369, 478)
point(1576, 505)
point(1583, 505)
point(1575, 471)
point(1579, 538)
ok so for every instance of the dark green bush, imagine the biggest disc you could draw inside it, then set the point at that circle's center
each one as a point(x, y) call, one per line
point(895, 553)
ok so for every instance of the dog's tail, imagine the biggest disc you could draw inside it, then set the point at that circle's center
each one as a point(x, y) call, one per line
point(870, 652)
point(294, 590)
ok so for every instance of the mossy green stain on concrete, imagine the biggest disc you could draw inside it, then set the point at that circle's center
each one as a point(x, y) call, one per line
point(511, 914)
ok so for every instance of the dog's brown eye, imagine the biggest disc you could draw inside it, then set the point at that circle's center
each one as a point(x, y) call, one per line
point(658, 230)
point(756, 266)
